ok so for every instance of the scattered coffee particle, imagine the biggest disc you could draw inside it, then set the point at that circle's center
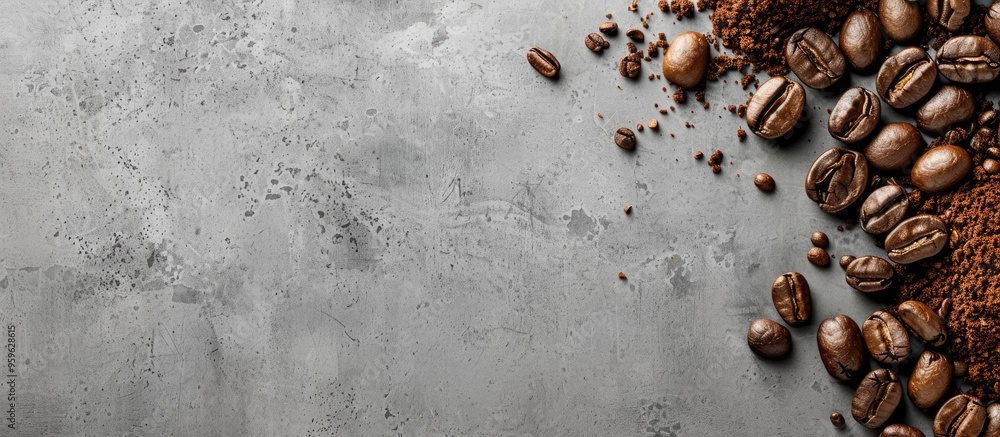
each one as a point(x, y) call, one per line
point(628, 209)
point(700, 96)
point(723, 63)
point(706, 4)
point(741, 134)
point(716, 168)
point(638, 127)
point(731, 108)
point(608, 15)
point(621, 275)
point(653, 124)
point(741, 110)
point(635, 34)
point(664, 5)
point(716, 158)
point(682, 8)
point(671, 107)
point(651, 76)
point(680, 96)
point(747, 80)
point(634, 6)
point(688, 125)
point(664, 112)
point(652, 50)
point(840, 229)
point(671, 135)
point(837, 419)
point(698, 154)
point(706, 105)
point(764, 182)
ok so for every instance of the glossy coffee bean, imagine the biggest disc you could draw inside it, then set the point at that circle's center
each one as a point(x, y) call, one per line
point(923, 321)
point(846, 260)
point(636, 35)
point(906, 77)
point(887, 338)
point(764, 182)
point(969, 59)
point(949, 13)
point(992, 427)
point(983, 139)
point(855, 116)
point(901, 430)
point(769, 339)
point(543, 62)
point(625, 138)
point(837, 419)
point(596, 43)
point(819, 239)
point(961, 416)
point(894, 147)
point(818, 256)
point(992, 21)
point(776, 107)
point(876, 398)
point(630, 65)
point(815, 58)
point(836, 179)
point(883, 209)
point(931, 379)
point(901, 19)
point(861, 39)
point(686, 61)
point(608, 27)
point(941, 168)
point(950, 107)
point(841, 348)
point(869, 274)
point(916, 238)
point(792, 299)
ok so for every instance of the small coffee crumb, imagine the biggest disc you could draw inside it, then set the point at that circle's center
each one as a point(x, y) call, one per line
point(731, 108)
point(653, 124)
point(608, 15)
point(664, 111)
point(716, 158)
point(741, 110)
point(764, 182)
point(628, 209)
point(698, 154)
point(741, 134)
point(680, 96)
point(700, 96)
point(682, 8)
point(840, 229)
point(621, 275)
point(747, 80)
point(716, 169)
point(705, 105)
point(837, 419)
point(638, 127)
point(664, 5)
point(688, 125)
point(599, 115)
point(634, 6)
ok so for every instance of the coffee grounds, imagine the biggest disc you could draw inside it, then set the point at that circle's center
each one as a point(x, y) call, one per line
point(682, 8)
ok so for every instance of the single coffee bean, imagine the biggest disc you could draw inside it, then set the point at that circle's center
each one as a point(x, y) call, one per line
point(883, 209)
point(837, 419)
point(894, 147)
point(949, 13)
point(969, 59)
point(841, 348)
point(775, 107)
point(992, 428)
point(991, 166)
point(961, 416)
point(764, 182)
point(982, 139)
point(916, 238)
point(625, 138)
point(636, 35)
point(818, 256)
point(861, 39)
point(901, 430)
point(906, 77)
point(950, 107)
point(876, 398)
point(608, 27)
point(769, 339)
point(869, 274)
point(856, 115)
point(923, 321)
point(846, 260)
point(993, 151)
point(686, 61)
point(815, 58)
point(596, 43)
point(886, 337)
point(931, 379)
point(901, 19)
point(945, 309)
point(790, 293)
point(819, 239)
point(630, 65)
point(543, 61)
point(941, 168)
point(988, 118)
point(992, 21)
point(836, 179)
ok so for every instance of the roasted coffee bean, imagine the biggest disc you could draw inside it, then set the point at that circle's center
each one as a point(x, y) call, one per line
point(950, 107)
point(969, 59)
point(916, 238)
point(901, 19)
point(636, 35)
point(945, 309)
point(987, 118)
point(609, 27)
point(901, 430)
point(949, 13)
point(769, 339)
point(861, 39)
point(686, 61)
point(841, 348)
point(819, 239)
point(818, 256)
point(992, 428)
point(982, 139)
point(856, 115)
point(869, 274)
point(923, 321)
point(775, 107)
point(543, 61)
point(596, 43)
point(906, 77)
point(887, 338)
point(961, 416)
point(790, 293)
point(815, 58)
point(837, 419)
point(883, 209)
point(630, 65)
point(992, 21)
point(991, 166)
point(941, 168)
point(764, 182)
point(876, 398)
point(894, 147)
point(625, 138)
point(836, 179)
point(931, 379)
point(846, 260)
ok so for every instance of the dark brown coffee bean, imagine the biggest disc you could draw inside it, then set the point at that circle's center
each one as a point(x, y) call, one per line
point(837, 179)
point(630, 65)
point(916, 238)
point(991, 166)
point(636, 35)
point(941, 168)
point(818, 256)
point(906, 77)
point(769, 339)
point(596, 43)
point(901, 430)
point(764, 182)
point(949, 13)
point(815, 58)
point(988, 118)
point(841, 348)
point(625, 138)
point(961, 416)
point(819, 239)
point(543, 61)
point(923, 321)
point(887, 338)
point(992, 21)
point(883, 209)
point(931, 379)
point(969, 59)
point(861, 39)
point(775, 108)
point(846, 260)
point(876, 398)
point(856, 115)
point(901, 19)
point(686, 61)
point(790, 293)
point(869, 274)
point(983, 139)
point(894, 147)
point(837, 419)
point(950, 107)
point(608, 27)
point(992, 428)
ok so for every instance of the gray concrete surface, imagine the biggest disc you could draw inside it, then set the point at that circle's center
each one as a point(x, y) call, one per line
point(354, 218)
